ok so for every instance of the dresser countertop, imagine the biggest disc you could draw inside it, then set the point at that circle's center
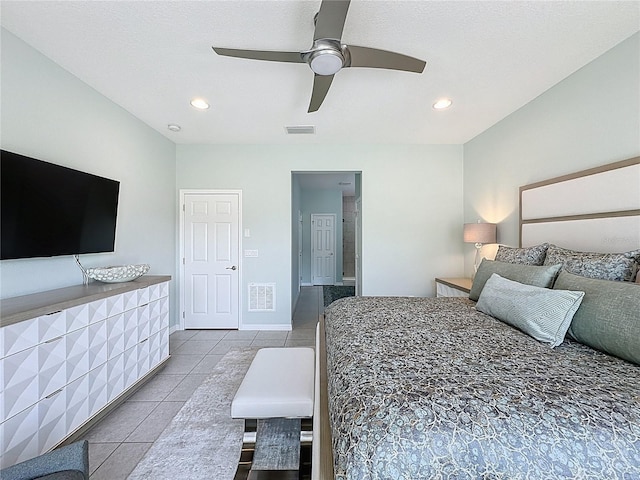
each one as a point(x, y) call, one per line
point(18, 309)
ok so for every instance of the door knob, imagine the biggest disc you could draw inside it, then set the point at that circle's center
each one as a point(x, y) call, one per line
point(231, 268)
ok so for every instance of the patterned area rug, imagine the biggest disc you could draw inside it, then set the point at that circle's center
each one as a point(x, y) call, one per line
point(202, 441)
point(334, 292)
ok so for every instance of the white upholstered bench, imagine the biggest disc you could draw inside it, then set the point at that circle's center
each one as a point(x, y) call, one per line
point(277, 391)
point(279, 383)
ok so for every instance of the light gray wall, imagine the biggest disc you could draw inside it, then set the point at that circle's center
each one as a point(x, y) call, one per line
point(591, 118)
point(320, 201)
point(49, 114)
point(411, 198)
point(296, 209)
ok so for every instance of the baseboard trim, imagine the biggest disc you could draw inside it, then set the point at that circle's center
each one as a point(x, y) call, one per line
point(306, 284)
point(275, 326)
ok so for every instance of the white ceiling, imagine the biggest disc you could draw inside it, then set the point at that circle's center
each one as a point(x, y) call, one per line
point(152, 57)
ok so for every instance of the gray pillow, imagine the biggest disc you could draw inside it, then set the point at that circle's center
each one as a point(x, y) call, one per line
point(606, 266)
point(609, 317)
point(538, 276)
point(525, 256)
point(539, 312)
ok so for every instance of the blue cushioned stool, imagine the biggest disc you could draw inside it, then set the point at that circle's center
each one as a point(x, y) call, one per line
point(65, 463)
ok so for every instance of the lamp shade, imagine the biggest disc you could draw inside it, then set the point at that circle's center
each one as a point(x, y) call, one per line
point(479, 233)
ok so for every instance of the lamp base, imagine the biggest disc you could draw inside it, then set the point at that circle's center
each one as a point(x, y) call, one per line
point(477, 259)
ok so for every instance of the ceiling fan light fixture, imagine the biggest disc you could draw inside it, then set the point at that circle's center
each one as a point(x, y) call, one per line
point(199, 103)
point(442, 104)
point(326, 62)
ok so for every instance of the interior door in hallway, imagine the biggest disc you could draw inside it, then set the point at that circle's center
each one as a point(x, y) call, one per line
point(211, 232)
point(323, 241)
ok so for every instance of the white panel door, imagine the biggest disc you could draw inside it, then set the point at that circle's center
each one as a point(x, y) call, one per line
point(211, 258)
point(323, 241)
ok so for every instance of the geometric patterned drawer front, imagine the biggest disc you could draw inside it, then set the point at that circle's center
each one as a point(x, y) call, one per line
point(154, 317)
point(143, 296)
point(86, 314)
point(52, 420)
point(20, 373)
point(164, 305)
point(97, 344)
point(77, 354)
point(19, 336)
point(144, 317)
point(143, 357)
point(154, 292)
point(155, 349)
point(164, 289)
point(115, 305)
point(98, 395)
point(19, 437)
point(77, 317)
point(130, 300)
point(115, 335)
point(52, 326)
point(130, 367)
point(164, 321)
point(130, 329)
point(77, 393)
point(164, 342)
point(115, 382)
point(52, 366)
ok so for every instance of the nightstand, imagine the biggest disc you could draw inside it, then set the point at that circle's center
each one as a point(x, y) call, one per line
point(453, 287)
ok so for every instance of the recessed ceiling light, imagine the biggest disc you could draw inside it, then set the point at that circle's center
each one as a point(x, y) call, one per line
point(199, 103)
point(174, 128)
point(442, 103)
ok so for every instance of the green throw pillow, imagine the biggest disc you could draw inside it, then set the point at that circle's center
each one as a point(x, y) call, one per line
point(609, 317)
point(542, 313)
point(538, 276)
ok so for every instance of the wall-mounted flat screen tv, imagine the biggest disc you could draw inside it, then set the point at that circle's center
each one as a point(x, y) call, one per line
point(48, 210)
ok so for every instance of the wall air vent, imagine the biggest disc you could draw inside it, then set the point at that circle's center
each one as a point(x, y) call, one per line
point(262, 297)
point(301, 130)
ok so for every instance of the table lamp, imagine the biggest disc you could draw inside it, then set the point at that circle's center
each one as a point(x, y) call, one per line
point(479, 234)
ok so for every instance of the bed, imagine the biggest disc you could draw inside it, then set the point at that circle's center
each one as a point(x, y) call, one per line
point(435, 388)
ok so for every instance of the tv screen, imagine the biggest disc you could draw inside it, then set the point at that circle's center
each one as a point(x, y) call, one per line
point(48, 210)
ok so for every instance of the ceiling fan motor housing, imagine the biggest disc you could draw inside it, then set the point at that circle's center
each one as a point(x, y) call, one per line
point(327, 57)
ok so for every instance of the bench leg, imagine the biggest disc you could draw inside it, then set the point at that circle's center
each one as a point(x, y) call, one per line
point(276, 449)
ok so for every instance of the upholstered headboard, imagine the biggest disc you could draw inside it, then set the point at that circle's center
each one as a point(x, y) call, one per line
point(595, 210)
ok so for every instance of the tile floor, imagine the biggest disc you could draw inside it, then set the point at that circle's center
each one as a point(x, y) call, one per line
point(121, 439)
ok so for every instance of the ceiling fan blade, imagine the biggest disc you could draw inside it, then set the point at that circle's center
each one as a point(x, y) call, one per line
point(330, 19)
point(294, 57)
point(375, 58)
point(321, 84)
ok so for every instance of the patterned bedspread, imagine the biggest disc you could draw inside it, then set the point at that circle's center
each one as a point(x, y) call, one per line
point(432, 389)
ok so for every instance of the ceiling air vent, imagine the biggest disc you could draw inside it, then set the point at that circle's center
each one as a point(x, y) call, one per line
point(301, 130)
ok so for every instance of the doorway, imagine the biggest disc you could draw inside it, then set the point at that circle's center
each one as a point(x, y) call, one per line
point(323, 193)
point(210, 266)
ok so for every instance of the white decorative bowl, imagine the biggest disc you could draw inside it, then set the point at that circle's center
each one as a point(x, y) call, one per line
point(122, 273)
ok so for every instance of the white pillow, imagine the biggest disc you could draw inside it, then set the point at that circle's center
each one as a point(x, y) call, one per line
point(542, 313)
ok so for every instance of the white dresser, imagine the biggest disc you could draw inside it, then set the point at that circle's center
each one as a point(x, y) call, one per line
point(67, 355)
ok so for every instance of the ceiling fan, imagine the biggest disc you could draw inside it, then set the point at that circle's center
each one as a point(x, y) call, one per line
point(329, 55)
